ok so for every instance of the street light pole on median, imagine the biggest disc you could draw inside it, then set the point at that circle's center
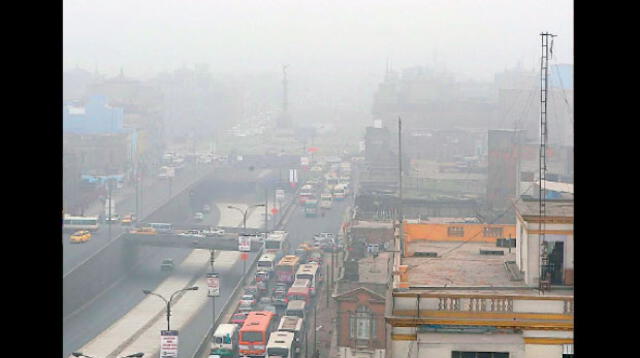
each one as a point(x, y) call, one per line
point(244, 226)
point(168, 302)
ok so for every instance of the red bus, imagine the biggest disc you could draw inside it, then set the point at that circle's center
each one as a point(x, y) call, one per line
point(299, 293)
point(287, 267)
point(254, 333)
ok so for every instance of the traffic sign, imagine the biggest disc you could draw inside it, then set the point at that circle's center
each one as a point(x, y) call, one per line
point(244, 243)
point(274, 211)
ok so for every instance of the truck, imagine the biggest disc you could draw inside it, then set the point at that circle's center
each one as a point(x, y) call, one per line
point(311, 208)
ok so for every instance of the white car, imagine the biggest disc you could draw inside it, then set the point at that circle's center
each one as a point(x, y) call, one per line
point(192, 234)
point(213, 232)
point(198, 216)
point(323, 236)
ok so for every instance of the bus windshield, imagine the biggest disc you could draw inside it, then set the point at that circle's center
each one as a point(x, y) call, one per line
point(280, 352)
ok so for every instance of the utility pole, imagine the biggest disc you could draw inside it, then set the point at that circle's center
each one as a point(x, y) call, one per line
point(328, 282)
point(142, 172)
point(266, 212)
point(315, 330)
point(544, 67)
point(137, 186)
point(400, 214)
point(109, 203)
point(213, 298)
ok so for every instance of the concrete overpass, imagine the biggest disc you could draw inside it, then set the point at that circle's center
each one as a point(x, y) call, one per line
point(228, 242)
point(96, 273)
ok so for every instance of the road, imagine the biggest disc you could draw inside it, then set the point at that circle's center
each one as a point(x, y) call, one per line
point(124, 295)
point(118, 300)
point(155, 195)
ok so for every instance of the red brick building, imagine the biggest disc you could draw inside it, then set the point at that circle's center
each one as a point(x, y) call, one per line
point(360, 324)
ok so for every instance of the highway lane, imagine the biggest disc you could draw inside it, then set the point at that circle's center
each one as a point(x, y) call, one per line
point(154, 195)
point(107, 308)
point(300, 229)
point(117, 301)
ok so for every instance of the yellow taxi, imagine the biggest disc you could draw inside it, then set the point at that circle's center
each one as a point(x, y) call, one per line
point(144, 231)
point(80, 236)
point(127, 220)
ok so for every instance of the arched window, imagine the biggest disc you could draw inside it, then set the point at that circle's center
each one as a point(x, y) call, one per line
point(362, 325)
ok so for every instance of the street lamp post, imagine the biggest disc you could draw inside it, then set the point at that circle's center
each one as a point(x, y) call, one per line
point(244, 226)
point(110, 204)
point(212, 259)
point(148, 292)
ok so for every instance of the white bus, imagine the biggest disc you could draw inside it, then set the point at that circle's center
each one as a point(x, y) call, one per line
point(161, 227)
point(277, 243)
point(309, 272)
point(225, 340)
point(293, 324)
point(339, 192)
point(74, 223)
point(296, 308)
point(267, 262)
point(281, 344)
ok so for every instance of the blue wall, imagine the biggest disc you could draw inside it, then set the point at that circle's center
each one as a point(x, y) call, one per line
point(99, 118)
point(561, 76)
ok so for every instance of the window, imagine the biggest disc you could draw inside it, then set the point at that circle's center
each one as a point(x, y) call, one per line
point(458, 354)
point(492, 232)
point(362, 324)
point(455, 231)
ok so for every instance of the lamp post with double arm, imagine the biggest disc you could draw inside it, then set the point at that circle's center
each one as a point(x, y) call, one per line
point(168, 302)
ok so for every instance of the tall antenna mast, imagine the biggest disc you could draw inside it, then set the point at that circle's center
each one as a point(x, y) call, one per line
point(400, 215)
point(284, 88)
point(544, 73)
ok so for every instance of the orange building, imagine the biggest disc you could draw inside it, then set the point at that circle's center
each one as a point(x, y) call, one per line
point(488, 233)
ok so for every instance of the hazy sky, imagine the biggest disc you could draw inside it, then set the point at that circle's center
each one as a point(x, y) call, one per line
point(317, 38)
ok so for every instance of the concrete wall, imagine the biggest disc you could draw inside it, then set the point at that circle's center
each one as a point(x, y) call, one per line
point(440, 345)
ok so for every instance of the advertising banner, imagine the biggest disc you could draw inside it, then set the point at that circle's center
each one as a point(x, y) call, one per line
point(213, 282)
point(168, 344)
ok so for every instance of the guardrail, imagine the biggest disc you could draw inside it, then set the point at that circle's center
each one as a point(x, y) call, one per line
point(232, 302)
